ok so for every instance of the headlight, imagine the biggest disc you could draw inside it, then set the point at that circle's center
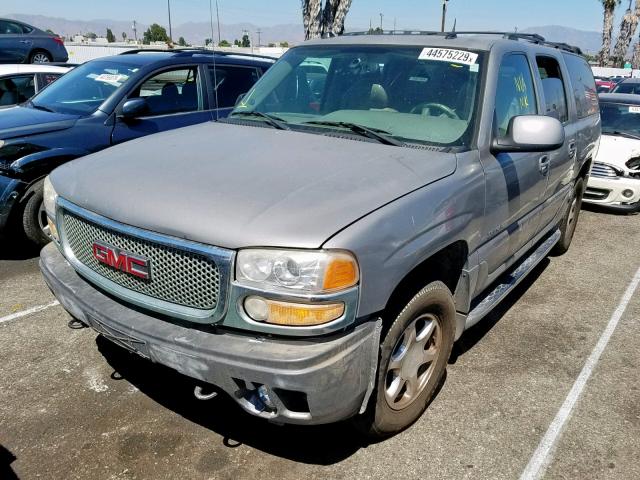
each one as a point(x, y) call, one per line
point(303, 271)
point(49, 198)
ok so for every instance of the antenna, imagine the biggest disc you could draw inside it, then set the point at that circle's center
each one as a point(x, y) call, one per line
point(213, 51)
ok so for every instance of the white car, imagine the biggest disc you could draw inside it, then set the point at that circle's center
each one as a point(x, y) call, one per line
point(18, 83)
point(615, 174)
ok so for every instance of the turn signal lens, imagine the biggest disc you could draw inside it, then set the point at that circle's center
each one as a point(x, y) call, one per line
point(342, 272)
point(53, 230)
point(291, 314)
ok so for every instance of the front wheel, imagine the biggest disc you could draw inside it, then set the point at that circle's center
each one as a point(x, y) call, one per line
point(413, 358)
point(34, 217)
point(40, 56)
point(570, 220)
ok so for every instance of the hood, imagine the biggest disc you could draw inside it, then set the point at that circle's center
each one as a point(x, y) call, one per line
point(21, 121)
point(238, 186)
point(616, 150)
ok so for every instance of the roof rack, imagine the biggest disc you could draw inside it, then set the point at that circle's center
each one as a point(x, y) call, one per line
point(184, 52)
point(529, 37)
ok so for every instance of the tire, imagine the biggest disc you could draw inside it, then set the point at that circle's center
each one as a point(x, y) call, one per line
point(569, 222)
point(40, 56)
point(430, 314)
point(34, 218)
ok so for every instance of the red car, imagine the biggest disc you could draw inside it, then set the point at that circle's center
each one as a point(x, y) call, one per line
point(604, 85)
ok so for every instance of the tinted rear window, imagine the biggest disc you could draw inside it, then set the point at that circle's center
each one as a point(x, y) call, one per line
point(583, 85)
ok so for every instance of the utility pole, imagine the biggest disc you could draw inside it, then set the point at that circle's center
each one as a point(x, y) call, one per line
point(394, 24)
point(218, 18)
point(135, 31)
point(381, 15)
point(444, 14)
point(259, 32)
point(169, 10)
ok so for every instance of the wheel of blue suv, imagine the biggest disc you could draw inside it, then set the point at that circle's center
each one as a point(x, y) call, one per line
point(570, 220)
point(413, 358)
point(34, 217)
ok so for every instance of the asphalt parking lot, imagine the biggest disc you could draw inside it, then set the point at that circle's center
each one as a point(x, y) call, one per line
point(74, 406)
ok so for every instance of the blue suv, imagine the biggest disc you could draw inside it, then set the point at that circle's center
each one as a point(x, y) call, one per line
point(105, 102)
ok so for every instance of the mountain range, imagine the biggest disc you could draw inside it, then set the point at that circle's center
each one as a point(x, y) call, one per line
point(197, 32)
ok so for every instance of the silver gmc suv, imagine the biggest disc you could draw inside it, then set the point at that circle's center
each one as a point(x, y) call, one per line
point(317, 254)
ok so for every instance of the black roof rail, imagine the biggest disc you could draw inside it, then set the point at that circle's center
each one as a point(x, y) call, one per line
point(184, 52)
point(530, 37)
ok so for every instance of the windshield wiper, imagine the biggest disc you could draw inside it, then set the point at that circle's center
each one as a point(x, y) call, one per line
point(621, 134)
point(272, 120)
point(40, 107)
point(376, 134)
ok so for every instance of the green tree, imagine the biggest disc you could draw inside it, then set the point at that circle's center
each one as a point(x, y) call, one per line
point(182, 42)
point(48, 30)
point(124, 37)
point(271, 45)
point(224, 43)
point(207, 42)
point(284, 44)
point(110, 36)
point(609, 7)
point(91, 35)
point(237, 43)
point(246, 42)
point(155, 33)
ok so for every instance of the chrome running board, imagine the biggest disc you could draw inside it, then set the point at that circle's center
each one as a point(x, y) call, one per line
point(510, 280)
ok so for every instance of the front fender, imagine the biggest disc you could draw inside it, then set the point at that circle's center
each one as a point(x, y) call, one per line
point(41, 163)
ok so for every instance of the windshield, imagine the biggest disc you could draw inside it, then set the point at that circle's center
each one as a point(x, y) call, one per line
point(415, 94)
point(627, 87)
point(82, 90)
point(620, 118)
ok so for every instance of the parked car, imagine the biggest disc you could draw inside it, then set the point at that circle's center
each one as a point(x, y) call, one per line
point(105, 102)
point(605, 84)
point(316, 258)
point(22, 43)
point(18, 83)
point(628, 85)
point(615, 175)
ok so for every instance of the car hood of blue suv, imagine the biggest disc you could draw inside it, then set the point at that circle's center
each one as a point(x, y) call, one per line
point(22, 121)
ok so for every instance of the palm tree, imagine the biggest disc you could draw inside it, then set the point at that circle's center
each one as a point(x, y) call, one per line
point(607, 30)
point(627, 30)
point(320, 21)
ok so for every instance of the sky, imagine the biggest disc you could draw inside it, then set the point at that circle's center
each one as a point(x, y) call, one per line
point(408, 14)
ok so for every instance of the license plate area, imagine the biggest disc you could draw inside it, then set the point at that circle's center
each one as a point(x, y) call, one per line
point(120, 338)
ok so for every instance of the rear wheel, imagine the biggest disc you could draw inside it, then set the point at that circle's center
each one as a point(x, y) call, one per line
point(39, 56)
point(570, 220)
point(413, 358)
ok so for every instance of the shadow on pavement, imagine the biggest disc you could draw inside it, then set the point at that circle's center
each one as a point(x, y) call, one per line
point(15, 247)
point(319, 445)
point(6, 459)
point(595, 208)
point(472, 336)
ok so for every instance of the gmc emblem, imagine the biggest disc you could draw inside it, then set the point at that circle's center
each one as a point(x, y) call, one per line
point(121, 260)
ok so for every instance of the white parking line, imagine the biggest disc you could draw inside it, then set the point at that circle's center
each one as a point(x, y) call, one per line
point(543, 455)
point(28, 311)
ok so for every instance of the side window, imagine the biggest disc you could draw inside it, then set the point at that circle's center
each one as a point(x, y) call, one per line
point(553, 88)
point(230, 82)
point(45, 79)
point(583, 86)
point(16, 89)
point(515, 94)
point(10, 28)
point(171, 91)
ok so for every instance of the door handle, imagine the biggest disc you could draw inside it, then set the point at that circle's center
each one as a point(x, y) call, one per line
point(543, 164)
point(25, 41)
point(572, 149)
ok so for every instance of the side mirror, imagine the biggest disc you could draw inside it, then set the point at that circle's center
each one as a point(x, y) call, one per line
point(239, 99)
point(530, 133)
point(133, 108)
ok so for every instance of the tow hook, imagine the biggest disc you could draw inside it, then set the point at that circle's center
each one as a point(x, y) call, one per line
point(76, 324)
point(198, 393)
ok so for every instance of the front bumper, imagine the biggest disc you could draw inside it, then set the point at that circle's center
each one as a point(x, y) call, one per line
point(10, 190)
point(608, 193)
point(330, 377)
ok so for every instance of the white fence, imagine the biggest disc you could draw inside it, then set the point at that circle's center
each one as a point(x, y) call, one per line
point(82, 52)
point(614, 72)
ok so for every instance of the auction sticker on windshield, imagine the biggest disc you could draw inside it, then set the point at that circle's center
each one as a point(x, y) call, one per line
point(448, 55)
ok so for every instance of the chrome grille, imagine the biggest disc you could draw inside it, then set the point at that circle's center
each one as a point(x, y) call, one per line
point(177, 276)
point(603, 170)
